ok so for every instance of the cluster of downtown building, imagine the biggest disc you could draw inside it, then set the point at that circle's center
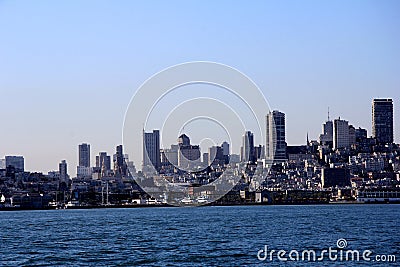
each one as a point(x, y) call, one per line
point(344, 163)
point(108, 182)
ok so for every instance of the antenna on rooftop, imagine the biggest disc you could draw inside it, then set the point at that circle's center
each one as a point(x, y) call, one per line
point(328, 115)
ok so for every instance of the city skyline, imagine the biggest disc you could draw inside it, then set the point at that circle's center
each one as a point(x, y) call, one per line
point(336, 131)
point(68, 81)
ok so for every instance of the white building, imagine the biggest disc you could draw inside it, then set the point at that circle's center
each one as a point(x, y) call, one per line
point(340, 134)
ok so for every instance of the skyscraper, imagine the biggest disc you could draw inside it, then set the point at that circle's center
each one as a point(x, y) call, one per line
point(151, 149)
point(275, 147)
point(226, 151)
point(119, 162)
point(247, 152)
point(341, 134)
point(84, 155)
point(62, 168)
point(382, 120)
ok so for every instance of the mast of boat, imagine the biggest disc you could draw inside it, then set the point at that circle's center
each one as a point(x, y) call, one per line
point(107, 192)
point(102, 195)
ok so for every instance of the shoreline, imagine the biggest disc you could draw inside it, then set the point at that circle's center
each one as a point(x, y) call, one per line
point(206, 205)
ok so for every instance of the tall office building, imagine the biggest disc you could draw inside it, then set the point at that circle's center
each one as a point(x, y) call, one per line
point(247, 150)
point(83, 169)
point(275, 147)
point(120, 166)
point(84, 155)
point(341, 138)
point(382, 120)
point(63, 170)
point(151, 149)
point(226, 151)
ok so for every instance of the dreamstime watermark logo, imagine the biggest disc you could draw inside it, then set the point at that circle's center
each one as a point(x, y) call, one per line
point(338, 253)
point(180, 111)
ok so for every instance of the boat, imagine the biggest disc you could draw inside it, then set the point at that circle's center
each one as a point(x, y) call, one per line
point(73, 203)
point(202, 200)
point(187, 201)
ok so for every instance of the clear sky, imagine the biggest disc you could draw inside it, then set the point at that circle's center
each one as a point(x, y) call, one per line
point(69, 68)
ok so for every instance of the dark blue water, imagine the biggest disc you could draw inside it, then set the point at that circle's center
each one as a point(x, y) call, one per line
point(206, 236)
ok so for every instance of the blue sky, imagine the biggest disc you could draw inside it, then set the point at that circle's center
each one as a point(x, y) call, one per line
point(69, 68)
